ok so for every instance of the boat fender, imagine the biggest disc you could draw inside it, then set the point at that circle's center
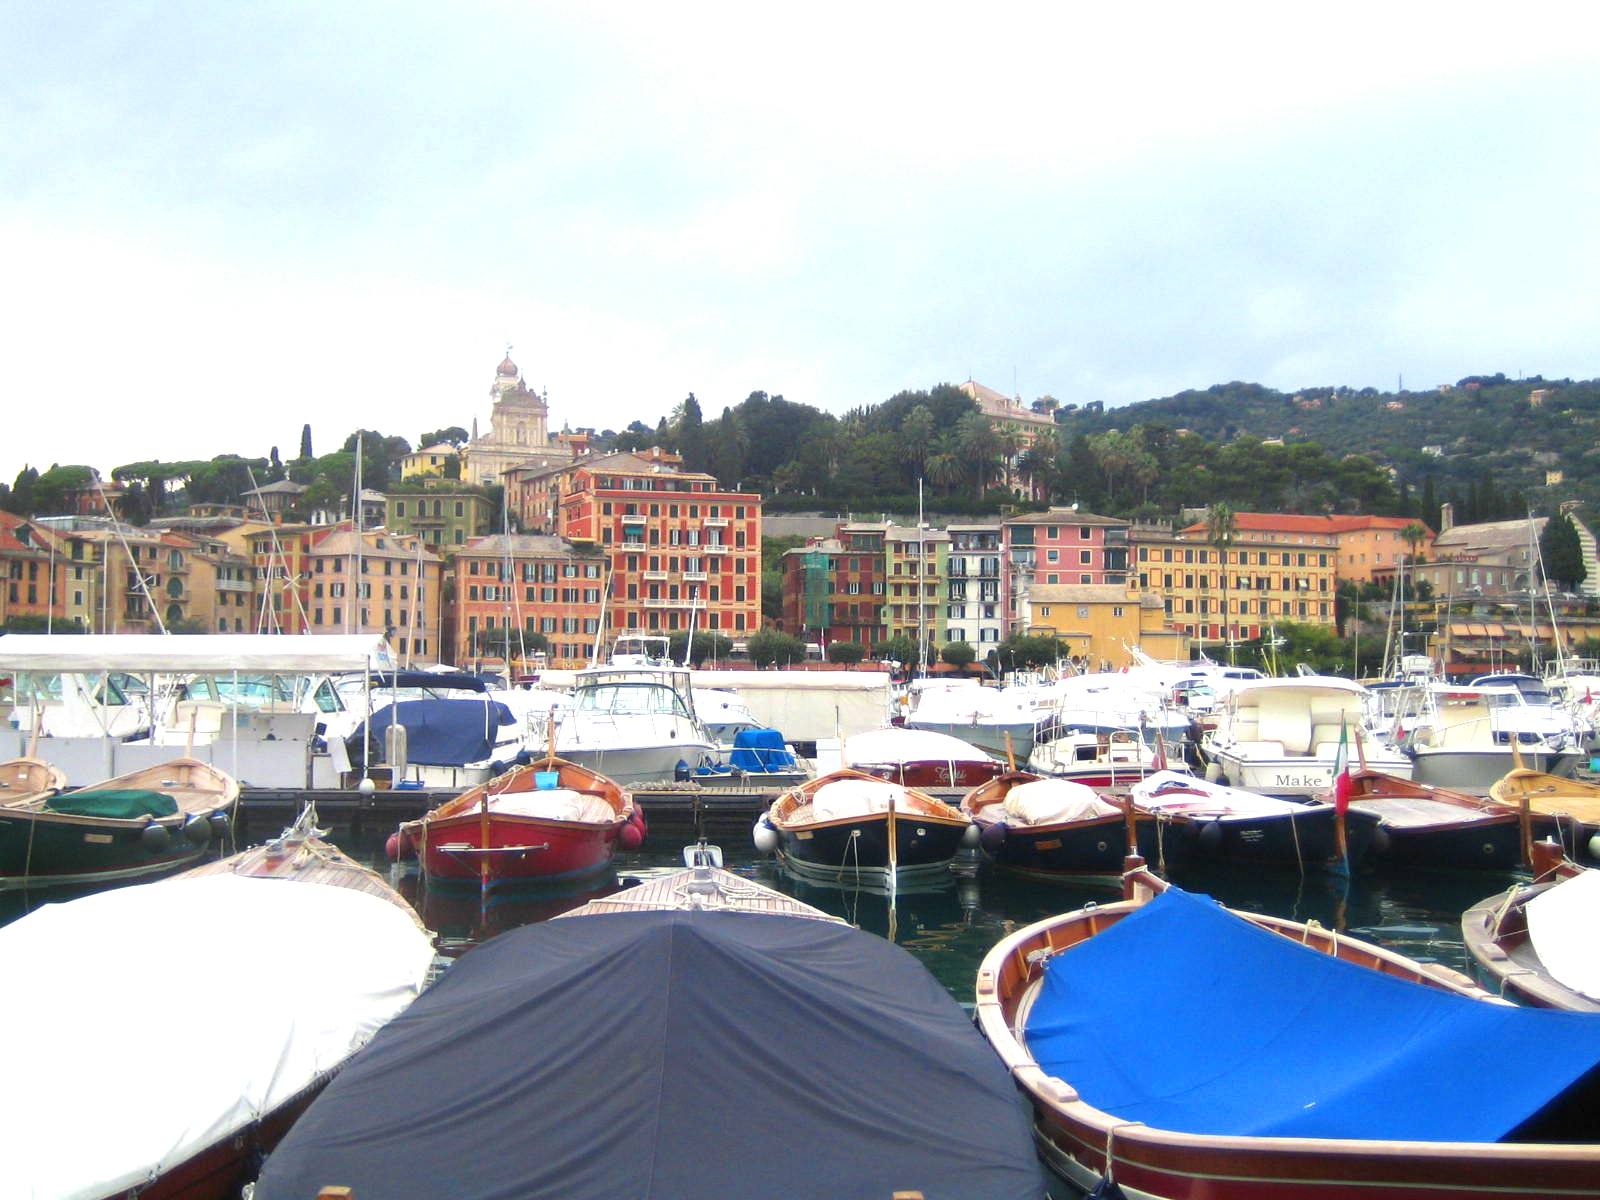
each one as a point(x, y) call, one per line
point(970, 837)
point(766, 837)
point(638, 819)
point(1213, 772)
point(630, 837)
point(197, 829)
point(391, 847)
point(220, 825)
point(1211, 837)
point(1594, 846)
point(155, 836)
point(992, 837)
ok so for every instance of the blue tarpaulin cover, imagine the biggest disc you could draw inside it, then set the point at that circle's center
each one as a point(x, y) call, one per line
point(447, 733)
point(671, 1054)
point(1188, 1018)
point(757, 750)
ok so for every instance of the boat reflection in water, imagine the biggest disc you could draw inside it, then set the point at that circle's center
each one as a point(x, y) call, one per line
point(464, 917)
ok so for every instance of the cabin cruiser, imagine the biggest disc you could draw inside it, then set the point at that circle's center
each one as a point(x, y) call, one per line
point(1465, 741)
point(634, 724)
point(1282, 737)
point(993, 719)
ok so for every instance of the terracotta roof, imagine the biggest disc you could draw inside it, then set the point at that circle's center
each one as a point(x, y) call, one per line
point(342, 541)
point(1066, 516)
point(625, 462)
point(1303, 523)
point(286, 487)
point(521, 545)
point(1499, 535)
point(996, 404)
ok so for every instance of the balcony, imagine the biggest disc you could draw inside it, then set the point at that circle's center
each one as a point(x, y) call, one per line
point(662, 602)
point(655, 575)
point(695, 576)
point(714, 522)
point(634, 546)
point(715, 548)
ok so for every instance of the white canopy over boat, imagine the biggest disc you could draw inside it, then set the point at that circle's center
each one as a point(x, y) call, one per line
point(1562, 923)
point(194, 653)
point(881, 747)
point(152, 1022)
point(1181, 794)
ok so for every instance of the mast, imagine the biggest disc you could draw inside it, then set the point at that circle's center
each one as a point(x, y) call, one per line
point(416, 595)
point(1555, 634)
point(355, 554)
point(922, 573)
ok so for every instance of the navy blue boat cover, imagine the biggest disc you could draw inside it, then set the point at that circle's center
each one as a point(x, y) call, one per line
point(447, 733)
point(658, 1054)
point(1186, 1017)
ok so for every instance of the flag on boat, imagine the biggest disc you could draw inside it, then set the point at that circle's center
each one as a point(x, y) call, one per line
point(1343, 785)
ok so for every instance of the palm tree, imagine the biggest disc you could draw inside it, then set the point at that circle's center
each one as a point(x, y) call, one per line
point(980, 447)
point(1221, 527)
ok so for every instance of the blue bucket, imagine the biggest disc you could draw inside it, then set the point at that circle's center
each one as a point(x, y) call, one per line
point(545, 780)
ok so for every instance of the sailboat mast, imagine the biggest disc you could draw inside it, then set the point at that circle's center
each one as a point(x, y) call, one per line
point(922, 573)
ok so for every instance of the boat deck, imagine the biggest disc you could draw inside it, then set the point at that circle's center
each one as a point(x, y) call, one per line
point(311, 861)
point(681, 891)
point(1418, 812)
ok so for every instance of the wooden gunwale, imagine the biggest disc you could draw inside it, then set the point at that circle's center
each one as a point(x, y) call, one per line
point(1495, 932)
point(522, 779)
point(215, 790)
point(914, 803)
point(1167, 1163)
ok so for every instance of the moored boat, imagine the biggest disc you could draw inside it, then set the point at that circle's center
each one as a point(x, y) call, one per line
point(1538, 941)
point(548, 820)
point(847, 823)
point(1425, 826)
point(142, 823)
point(1200, 821)
point(25, 781)
point(919, 758)
point(1567, 810)
point(1107, 759)
point(276, 982)
point(699, 1035)
point(1052, 828)
point(1376, 1089)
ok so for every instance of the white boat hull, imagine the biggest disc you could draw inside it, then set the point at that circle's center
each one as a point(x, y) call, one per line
point(633, 765)
point(1299, 778)
point(1479, 770)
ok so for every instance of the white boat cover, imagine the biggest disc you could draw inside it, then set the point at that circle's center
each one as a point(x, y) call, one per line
point(1181, 794)
point(195, 653)
point(879, 747)
point(855, 798)
point(554, 804)
point(1047, 801)
point(153, 1021)
point(1564, 925)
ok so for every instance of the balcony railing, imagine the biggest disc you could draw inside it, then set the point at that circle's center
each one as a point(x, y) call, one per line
point(655, 575)
point(714, 522)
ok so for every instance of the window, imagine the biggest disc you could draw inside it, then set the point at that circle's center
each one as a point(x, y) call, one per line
point(1085, 557)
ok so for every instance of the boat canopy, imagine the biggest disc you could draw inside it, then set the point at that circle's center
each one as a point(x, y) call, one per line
point(670, 1054)
point(195, 1006)
point(1265, 1037)
point(442, 733)
point(193, 653)
point(1562, 924)
point(882, 747)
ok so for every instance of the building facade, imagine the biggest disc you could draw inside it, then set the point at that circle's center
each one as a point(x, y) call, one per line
point(33, 572)
point(833, 588)
point(379, 583)
point(673, 540)
point(915, 571)
point(444, 517)
point(974, 606)
point(1060, 546)
point(531, 583)
point(518, 431)
point(439, 461)
point(1100, 622)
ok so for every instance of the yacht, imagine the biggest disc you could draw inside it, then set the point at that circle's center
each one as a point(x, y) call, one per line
point(635, 724)
point(1465, 741)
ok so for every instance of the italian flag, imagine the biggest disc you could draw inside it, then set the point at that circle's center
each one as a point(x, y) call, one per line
point(1343, 785)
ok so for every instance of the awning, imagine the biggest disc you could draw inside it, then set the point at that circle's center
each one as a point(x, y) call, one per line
point(193, 653)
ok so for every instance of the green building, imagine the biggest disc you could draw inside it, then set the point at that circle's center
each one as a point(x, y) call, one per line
point(445, 517)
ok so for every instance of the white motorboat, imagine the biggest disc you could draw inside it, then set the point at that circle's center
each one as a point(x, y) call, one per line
point(982, 716)
point(1281, 737)
point(635, 725)
point(1465, 741)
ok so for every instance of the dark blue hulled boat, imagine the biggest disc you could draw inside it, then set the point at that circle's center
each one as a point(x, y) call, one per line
point(1314, 1065)
point(665, 1054)
point(1054, 828)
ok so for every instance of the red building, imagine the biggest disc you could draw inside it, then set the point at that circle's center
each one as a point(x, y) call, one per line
point(539, 584)
point(671, 538)
point(833, 588)
point(1059, 546)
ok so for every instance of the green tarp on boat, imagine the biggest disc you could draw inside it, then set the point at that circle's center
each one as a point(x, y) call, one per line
point(126, 804)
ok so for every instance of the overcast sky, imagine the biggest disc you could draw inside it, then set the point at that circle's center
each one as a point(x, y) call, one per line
point(219, 221)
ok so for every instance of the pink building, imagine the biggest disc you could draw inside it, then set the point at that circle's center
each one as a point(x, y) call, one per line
point(1059, 546)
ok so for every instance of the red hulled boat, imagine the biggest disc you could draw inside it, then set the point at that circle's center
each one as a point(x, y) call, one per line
point(548, 820)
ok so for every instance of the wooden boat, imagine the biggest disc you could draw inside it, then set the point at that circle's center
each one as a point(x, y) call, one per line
point(293, 951)
point(848, 823)
point(1567, 810)
point(919, 758)
point(1250, 1108)
point(138, 824)
point(1069, 832)
point(1105, 759)
point(699, 1035)
point(1420, 825)
point(1497, 934)
point(24, 781)
point(1200, 821)
point(549, 820)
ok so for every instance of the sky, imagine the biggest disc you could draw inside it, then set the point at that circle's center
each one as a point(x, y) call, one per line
point(219, 222)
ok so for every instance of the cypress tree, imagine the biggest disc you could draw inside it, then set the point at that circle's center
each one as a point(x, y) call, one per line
point(305, 440)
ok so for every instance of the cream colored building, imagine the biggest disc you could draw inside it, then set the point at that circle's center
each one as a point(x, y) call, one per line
point(432, 460)
point(518, 431)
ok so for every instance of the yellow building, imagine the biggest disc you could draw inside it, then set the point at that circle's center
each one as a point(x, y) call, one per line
point(442, 461)
point(1278, 568)
point(388, 584)
point(915, 563)
point(1098, 622)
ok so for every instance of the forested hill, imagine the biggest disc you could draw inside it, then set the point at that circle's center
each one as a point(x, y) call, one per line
point(1484, 431)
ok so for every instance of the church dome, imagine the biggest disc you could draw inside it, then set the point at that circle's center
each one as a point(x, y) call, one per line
point(507, 368)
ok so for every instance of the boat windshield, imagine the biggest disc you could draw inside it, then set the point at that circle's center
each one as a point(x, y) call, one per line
point(630, 699)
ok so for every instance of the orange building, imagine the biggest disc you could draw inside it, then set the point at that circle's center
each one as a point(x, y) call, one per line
point(671, 538)
point(539, 584)
point(1369, 546)
point(33, 571)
